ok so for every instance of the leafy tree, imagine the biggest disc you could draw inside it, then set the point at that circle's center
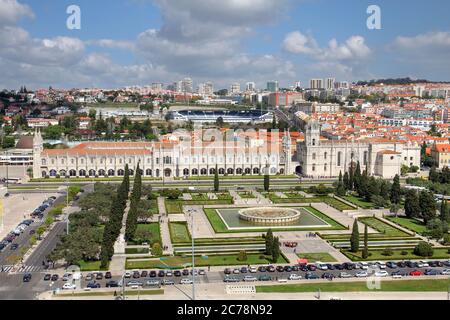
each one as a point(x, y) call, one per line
point(436, 229)
point(444, 211)
point(423, 249)
point(346, 181)
point(354, 239)
point(395, 190)
point(157, 250)
point(412, 204)
point(8, 142)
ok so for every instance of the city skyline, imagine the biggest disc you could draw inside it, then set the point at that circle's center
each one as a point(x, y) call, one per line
point(163, 41)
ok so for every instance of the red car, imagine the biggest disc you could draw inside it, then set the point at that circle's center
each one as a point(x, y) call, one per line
point(415, 273)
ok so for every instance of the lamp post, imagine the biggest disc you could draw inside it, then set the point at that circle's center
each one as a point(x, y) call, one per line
point(193, 257)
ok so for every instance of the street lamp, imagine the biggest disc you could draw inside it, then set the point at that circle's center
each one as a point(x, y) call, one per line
point(193, 257)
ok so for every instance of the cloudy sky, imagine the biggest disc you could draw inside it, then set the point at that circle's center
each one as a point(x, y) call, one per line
point(137, 42)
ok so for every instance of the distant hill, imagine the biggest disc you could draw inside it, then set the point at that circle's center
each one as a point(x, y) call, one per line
point(398, 81)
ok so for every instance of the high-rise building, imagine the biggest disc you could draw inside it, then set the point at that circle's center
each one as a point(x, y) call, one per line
point(206, 89)
point(186, 85)
point(157, 86)
point(235, 88)
point(297, 84)
point(316, 84)
point(330, 83)
point(250, 86)
point(273, 86)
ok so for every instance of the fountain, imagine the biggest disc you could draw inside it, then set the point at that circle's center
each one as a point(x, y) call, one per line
point(270, 215)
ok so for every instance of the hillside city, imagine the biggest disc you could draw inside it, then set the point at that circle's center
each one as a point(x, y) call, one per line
point(170, 191)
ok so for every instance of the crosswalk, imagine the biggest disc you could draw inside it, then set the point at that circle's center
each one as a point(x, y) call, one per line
point(23, 269)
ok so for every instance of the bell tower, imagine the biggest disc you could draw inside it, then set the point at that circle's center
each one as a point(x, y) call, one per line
point(312, 134)
point(38, 147)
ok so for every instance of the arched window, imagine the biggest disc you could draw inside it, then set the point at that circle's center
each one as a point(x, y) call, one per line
point(186, 172)
point(194, 172)
point(239, 171)
point(230, 171)
point(204, 172)
point(82, 173)
point(148, 172)
point(111, 173)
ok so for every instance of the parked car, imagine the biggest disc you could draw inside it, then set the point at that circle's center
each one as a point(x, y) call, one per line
point(112, 284)
point(167, 282)
point(186, 281)
point(399, 274)
point(169, 273)
point(227, 271)
point(69, 286)
point(328, 276)
point(401, 264)
point(66, 277)
point(93, 285)
point(47, 277)
point(391, 265)
point(361, 274)
point(201, 272)
point(134, 283)
point(338, 266)
point(14, 247)
point(312, 267)
point(265, 277)
point(108, 275)
point(322, 266)
point(127, 275)
point(253, 270)
point(446, 272)
point(185, 272)
point(262, 269)
point(177, 273)
point(311, 275)
point(345, 275)
point(99, 276)
point(381, 273)
point(294, 277)
point(136, 275)
point(431, 272)
point(230, 279)
point(152, 283)
point(271, 269)
point(415, 273)
point(153, 274)
point(280, 269)
point(250, 279)
point(55, 277)
point(244, 270)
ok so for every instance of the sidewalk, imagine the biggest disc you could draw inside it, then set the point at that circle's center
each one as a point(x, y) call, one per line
point(164, 227)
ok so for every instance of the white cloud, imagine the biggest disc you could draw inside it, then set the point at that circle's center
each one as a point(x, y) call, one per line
point(11, 11)
point(112, 44)
point(353, 48)
point(432, 39)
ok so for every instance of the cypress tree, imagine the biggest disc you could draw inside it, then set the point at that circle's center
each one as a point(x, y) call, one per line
point(365, 253)
point(269, 242)
point(354, 239)
point(444, 211)
point(216, 180)
point(340, 190)
point(135, 199)
point(395, 190)
point(266, 182)
point(346, 181)
point(412, 204)
point(276, 250)
point(357, 177)
point(126, 180)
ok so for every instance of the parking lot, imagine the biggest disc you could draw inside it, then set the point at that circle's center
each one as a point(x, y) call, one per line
point(18, 207)
point(159, 278)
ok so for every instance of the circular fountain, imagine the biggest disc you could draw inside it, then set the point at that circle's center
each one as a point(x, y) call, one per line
point(269, 215)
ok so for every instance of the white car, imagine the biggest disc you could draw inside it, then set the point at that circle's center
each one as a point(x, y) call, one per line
point(381, 274)
point(345, 275)
point(186, 281)
point(250, 279)
point(362, 274)
point(69, 286)
point(381, 265)
point(322, 266)
point(253, 270)
point(169, 273)
point(420, 264)
point(363, 265)
point(294, 277)
point(446, 272)
point(236, 271)
point(425, 264)
point(127, 275)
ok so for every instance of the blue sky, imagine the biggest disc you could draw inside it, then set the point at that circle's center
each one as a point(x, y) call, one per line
point(138, 42)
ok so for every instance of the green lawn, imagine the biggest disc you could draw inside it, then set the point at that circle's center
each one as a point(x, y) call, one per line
point(382, 227)
point(377, 254)
point(178, 262)
point(179, 232)
point(335, 203)
point(410, 224)
point(220, 227)
point(90, 266)
point(314, 257)
point(173, 207)
point(359, 202)
point(153, 231)
point(428, 285)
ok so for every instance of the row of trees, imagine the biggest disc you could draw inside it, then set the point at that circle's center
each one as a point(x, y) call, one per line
point(132, 218)
point(112, 228)
point(371, 189)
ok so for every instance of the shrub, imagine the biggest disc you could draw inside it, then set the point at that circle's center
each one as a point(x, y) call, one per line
point(423, 249)
point(157, 250)
point(446, 240)
point(404, 253)
point(387, 252)
point(242, 256)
